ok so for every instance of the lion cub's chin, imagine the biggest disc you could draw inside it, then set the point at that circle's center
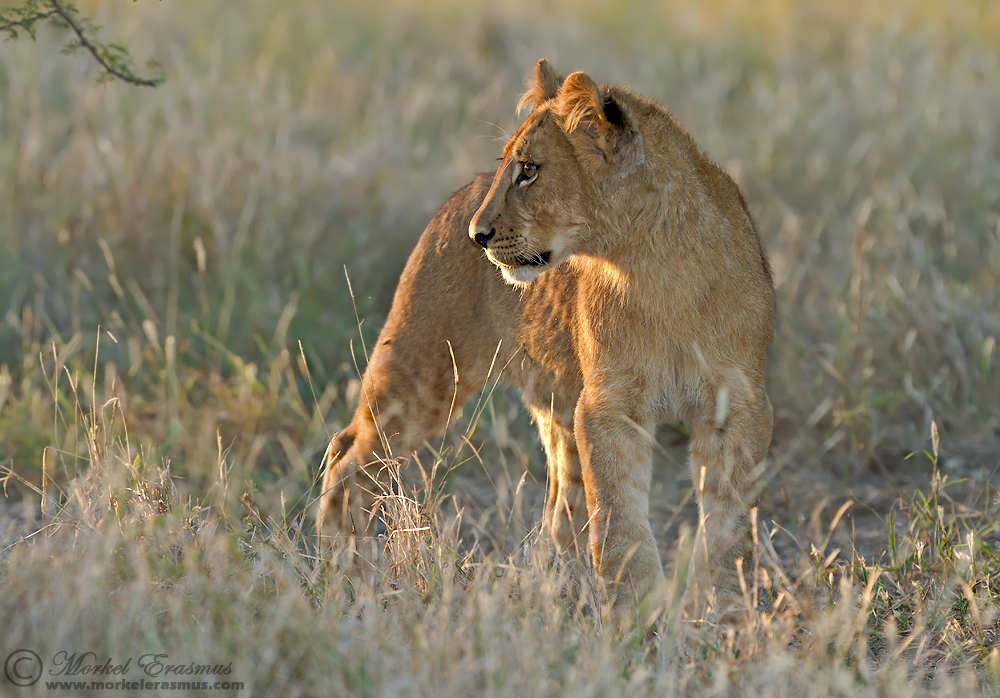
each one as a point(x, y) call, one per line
point(523, 275)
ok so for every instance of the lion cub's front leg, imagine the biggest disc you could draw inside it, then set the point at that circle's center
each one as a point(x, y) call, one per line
point(617, 464)
point(565, 503)
point(350, 478)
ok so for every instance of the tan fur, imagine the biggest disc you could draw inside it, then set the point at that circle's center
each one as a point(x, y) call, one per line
point(637, 293)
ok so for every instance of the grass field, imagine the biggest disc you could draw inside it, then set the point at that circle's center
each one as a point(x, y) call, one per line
point(178, 344)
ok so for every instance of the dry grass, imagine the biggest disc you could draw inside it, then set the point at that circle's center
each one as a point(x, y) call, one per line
point(204, 227)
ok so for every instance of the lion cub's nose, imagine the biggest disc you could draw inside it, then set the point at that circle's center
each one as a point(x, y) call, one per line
point(482, 238)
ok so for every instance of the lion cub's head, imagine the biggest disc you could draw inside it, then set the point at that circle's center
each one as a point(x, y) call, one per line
point(554, 172)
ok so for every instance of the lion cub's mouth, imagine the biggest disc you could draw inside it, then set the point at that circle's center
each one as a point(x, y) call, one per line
point(535, 260)
point(522, 269)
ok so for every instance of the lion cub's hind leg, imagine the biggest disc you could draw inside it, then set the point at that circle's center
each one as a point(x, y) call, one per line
point(730, 446)
point(566, 503)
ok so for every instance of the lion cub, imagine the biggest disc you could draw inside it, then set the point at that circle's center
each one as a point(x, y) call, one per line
point(637, 293)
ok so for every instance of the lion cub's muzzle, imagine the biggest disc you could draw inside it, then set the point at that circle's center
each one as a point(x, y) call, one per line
point(518, 260)
point(482, 238)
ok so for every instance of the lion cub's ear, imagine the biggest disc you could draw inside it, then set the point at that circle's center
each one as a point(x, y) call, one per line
point(600, 126)
point(545, 87)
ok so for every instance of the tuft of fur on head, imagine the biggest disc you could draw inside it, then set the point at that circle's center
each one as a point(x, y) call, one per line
point(545, 87)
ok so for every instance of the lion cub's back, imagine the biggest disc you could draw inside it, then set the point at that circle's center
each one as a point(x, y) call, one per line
point(449, 293)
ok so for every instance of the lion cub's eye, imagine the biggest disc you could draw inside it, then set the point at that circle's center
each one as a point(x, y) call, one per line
point(528, 171)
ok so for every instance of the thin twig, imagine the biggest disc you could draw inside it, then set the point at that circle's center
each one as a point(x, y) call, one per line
point(26, 23)
point(97, 52)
